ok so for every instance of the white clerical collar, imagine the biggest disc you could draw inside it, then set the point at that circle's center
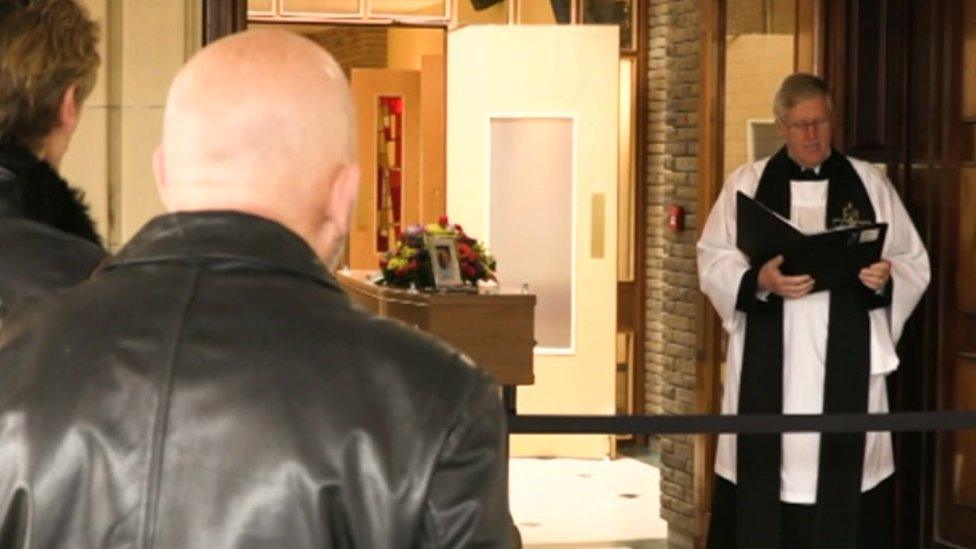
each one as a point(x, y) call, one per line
point(816, 169)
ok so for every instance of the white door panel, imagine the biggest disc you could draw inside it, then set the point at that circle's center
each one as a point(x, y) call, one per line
point(532, 167)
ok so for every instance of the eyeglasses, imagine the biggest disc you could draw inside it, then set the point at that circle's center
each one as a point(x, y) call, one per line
point(802, 127)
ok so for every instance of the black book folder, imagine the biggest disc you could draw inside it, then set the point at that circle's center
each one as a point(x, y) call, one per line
point(833, 257)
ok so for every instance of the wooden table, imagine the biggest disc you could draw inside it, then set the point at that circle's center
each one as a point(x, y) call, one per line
point(495, 330)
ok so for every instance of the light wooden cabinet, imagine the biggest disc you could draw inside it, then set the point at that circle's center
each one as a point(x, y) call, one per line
point(496, 331)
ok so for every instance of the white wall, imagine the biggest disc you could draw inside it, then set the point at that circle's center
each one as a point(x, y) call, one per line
point(143, 44)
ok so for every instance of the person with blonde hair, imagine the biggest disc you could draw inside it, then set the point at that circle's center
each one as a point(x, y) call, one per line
point(48, 65)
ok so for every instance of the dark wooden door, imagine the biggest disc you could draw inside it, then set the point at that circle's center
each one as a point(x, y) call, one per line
point(956, 487)
point(904, 76)
point(955, 491)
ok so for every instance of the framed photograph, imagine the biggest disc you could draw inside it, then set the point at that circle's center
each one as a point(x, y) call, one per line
point(444, 261)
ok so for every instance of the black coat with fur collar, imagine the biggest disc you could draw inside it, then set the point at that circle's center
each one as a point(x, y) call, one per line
point(47, 239)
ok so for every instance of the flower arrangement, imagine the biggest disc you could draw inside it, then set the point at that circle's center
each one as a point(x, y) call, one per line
point(410, 262)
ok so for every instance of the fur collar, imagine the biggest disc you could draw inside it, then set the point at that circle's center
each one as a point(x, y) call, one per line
point(37, 192)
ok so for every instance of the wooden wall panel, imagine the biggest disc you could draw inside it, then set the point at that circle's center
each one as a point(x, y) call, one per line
point(969, 140)
point(367, 86)
point(969, 64)
point(867, 76)
point(955, 490)
point(903, 74)
point(873, 91)
point(808, 50)
point(966, 272)
point(433, 97)
point(964, 447)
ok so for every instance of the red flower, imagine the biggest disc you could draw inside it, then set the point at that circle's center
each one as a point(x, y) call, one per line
point(442, 221)
point(469, 270)
point(465, 251)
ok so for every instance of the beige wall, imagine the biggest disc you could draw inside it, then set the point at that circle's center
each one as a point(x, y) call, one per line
point(407, 47)
point(86, 163)
point(554, 71)
point(755, 66)
point(760, 16)
point(142, 45)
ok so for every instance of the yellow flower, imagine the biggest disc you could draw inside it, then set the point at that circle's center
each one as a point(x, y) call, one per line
point(396, 263)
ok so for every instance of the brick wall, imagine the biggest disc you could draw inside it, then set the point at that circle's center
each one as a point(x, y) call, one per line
point(672, 178)
point(656, 133)
point(355, 47)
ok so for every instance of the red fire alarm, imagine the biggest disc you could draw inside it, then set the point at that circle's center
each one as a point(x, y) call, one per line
point(676, 218)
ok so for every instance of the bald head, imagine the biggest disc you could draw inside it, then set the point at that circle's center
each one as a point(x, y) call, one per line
point(260, 122)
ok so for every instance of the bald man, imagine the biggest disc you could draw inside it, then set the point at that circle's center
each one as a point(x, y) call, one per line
point(212, 387)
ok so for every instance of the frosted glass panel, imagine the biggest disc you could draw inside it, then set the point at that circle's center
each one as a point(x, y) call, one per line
point(320, 6)
point(531, 218)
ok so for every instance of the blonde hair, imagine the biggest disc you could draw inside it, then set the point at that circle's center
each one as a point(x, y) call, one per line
point(46, 46)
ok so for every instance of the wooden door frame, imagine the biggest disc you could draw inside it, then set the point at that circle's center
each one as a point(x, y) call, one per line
point(223, 17)
point(639, 238)
point(632, 294)
point(808, 51)
point(711, 120)
point(809, 56)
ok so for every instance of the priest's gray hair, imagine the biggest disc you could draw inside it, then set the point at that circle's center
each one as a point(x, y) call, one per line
point(799, 87)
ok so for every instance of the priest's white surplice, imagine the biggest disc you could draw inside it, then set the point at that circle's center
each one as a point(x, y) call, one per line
point(721, 266)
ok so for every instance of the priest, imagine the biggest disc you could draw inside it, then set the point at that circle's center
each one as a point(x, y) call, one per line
point(795, 351)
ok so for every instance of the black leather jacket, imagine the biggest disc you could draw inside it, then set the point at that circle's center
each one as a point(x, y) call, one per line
point(213, 387)
point(47, 240)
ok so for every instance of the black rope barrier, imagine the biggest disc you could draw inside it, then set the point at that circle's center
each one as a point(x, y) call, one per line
point(755, 423)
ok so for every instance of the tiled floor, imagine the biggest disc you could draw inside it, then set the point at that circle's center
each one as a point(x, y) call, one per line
point(575, 503)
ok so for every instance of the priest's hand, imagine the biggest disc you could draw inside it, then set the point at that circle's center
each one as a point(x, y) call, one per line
point(772, 280)
point(875, 276)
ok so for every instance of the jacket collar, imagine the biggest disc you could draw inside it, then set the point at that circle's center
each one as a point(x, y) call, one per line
point(32, 189)
point(222, 236)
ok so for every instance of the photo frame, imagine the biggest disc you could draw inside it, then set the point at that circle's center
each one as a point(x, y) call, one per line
point(444, 263)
